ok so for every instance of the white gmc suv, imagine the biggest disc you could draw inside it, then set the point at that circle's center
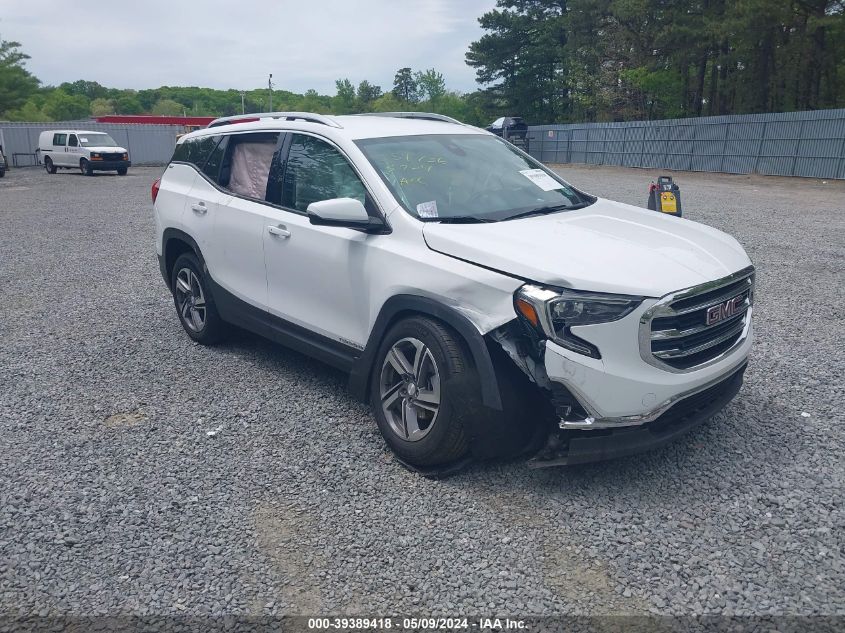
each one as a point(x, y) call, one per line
point(483, 306)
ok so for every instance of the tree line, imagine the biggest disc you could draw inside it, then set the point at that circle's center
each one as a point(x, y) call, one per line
point(22, 98)
point(615, 60)
point(547, 61)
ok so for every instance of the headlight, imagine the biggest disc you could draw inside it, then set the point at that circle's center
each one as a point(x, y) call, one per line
point(126, 157)
point(95, 155)
point(553, 312)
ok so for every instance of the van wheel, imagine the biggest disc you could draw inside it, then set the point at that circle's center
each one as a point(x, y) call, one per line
point(194, 303)
point(85, 167)
point(49, 166)
point(121, 171)
point(422, 390)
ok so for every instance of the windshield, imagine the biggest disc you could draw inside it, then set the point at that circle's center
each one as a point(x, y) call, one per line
point(96, 140)
point(469, 177)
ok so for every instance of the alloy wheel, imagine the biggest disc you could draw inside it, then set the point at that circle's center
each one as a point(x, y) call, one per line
point(190, 300)
point(410, 389)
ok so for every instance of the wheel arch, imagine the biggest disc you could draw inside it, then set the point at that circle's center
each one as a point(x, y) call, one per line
point(401, 306)
point(175, 242)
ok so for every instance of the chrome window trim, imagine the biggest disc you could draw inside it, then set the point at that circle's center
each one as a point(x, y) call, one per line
point(661, 309)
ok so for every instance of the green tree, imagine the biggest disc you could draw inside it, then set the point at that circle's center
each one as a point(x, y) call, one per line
point(344, 102)
point(88, 89)
point(168, 107)
point(128, 104)
point(431, 84)
point(388, 102)
point(61, 106)
point(16, 82)
point(405, 86)
point(102, 107)
point(367, 93)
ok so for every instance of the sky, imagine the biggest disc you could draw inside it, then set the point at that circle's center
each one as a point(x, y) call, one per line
point(237, 43)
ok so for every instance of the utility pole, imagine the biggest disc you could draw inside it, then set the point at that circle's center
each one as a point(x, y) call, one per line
point(270, 87)
point(243, 109)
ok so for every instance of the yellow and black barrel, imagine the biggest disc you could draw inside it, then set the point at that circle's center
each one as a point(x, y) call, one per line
point(665, 196)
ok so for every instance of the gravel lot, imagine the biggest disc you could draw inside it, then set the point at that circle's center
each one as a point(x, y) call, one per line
point(142, 473)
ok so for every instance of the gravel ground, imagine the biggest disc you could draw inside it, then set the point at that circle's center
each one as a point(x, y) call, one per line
point(144, 474)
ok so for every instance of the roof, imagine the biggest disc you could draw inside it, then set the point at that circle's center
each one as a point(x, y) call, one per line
point(351, 126)
point(72, 131)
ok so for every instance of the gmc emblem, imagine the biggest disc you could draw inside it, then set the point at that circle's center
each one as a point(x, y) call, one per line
point(722, 311)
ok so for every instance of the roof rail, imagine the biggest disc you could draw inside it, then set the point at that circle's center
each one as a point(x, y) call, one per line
point(426, 116)
point(287, 116)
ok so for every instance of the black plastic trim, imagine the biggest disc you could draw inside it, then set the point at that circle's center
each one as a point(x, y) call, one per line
point(359, 378)
point(238, 312)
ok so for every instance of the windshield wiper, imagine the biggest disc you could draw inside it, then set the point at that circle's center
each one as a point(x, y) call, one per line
point(545, 210)
point(462, 219)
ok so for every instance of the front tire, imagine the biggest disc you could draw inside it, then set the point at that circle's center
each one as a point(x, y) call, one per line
point(194, 303)
point(423, 389)
point(85, 167)
point(121, 171)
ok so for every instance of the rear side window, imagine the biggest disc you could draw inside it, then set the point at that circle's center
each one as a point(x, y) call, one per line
point(246, 162)
point(195, 150)
point(59, 139)
point(317, 171)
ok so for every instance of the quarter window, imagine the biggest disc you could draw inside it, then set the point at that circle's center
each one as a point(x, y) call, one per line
point(195, 150)
point(317, 171)
point(215, 159)
point(59, 139)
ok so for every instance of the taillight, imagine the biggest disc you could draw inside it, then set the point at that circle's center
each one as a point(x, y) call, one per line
point(154, 189)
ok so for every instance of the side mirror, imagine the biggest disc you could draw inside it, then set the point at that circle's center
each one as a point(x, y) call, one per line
point(343, 212)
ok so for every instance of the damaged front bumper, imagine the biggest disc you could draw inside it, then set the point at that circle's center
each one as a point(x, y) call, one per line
point(568, 445)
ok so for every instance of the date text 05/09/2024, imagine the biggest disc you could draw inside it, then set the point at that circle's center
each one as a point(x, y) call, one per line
point(415, 624)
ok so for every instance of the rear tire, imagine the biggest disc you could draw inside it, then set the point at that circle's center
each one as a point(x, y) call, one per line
point(49, 166)
point(422, 391)
point(194, 303)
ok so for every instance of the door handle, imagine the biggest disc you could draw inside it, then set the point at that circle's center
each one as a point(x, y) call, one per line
point(199, 208)
point(278, 231)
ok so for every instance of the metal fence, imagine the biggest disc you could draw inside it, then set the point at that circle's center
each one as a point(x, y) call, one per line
point(781, 144)
point(147, 144)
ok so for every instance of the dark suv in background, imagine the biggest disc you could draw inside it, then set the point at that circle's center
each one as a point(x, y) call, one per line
point(512, 128)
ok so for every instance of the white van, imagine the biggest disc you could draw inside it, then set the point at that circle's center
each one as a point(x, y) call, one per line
point(86, 151)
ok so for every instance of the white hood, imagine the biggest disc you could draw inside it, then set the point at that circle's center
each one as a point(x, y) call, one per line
point(606, 247)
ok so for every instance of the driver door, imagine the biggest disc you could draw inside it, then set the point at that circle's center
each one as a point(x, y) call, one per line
point(315, 274)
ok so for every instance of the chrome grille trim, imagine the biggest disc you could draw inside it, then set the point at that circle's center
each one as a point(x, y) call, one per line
point(681, 353)
point(663, 309)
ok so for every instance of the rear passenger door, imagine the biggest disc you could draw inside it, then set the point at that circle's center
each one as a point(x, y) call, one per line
point(236, 259)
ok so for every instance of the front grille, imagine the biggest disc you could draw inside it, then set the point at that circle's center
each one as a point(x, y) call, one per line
point(112, 156)
point(676, 332)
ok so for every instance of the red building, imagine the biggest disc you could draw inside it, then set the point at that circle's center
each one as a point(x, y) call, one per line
point(189, 122)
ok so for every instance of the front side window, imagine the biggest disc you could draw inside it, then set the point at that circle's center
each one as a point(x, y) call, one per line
point(72, 142)
point(470, 177)
point(317, 171)
point(59, 139)
point(97, 140)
